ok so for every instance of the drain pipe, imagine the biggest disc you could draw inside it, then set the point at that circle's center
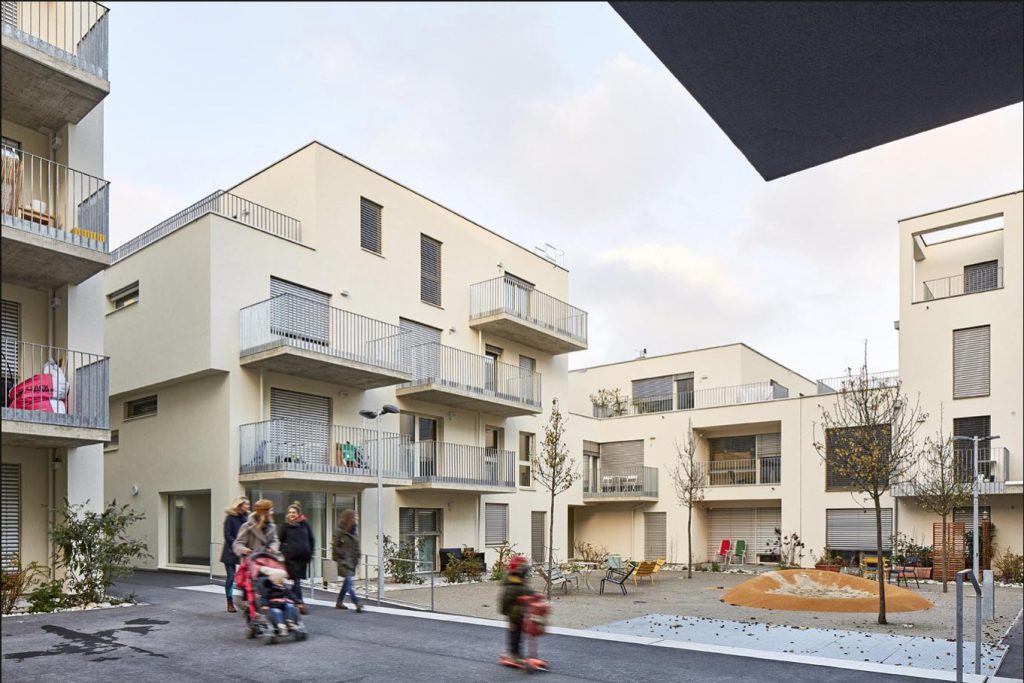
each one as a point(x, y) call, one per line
point(51, 513)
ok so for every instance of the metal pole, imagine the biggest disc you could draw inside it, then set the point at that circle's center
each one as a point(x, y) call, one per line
point(380, 516)
point(977, 633)
point(959, 628)
point(974, 532)
point(431, 590)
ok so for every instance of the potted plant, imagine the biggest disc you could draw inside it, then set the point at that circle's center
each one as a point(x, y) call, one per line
point(923, 570)
point(828, 561)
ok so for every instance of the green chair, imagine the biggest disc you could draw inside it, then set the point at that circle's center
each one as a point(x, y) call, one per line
point(738, 552)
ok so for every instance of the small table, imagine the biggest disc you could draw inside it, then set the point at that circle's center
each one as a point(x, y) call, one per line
point(586, 569)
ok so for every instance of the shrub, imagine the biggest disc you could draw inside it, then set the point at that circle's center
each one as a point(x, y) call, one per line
point(1010, 566)
point(506, 551)
point(400, 561)
point(94, 549)
point(17, 583)
point(789, 549)
point(715, 567)
point(49, 596)
point(464, 568)
point(589, 552)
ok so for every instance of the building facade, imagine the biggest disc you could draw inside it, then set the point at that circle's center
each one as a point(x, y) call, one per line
point(248, 332)
point(55, 248)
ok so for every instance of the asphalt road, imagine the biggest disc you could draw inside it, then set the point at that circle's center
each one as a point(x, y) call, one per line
point(185, 635)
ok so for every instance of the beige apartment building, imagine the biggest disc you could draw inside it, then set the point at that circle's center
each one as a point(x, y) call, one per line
point(249, 330)
point(755, 420)
point(55, 248)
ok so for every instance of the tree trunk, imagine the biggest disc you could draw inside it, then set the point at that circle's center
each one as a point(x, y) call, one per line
point(945, 558)
point(689, 542)
point(881, 562)
point(551, 544)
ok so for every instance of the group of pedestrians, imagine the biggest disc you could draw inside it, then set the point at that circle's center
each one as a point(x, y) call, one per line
point(246, 533)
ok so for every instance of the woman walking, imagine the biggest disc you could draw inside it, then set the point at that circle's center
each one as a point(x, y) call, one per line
point(233, 521)
point(297, 546)
point(258, 534)
point(345, 551)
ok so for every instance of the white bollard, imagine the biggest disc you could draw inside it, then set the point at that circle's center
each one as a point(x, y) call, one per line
point(988, 595)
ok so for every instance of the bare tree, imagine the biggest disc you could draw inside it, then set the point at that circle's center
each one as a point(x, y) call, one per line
point(688, 481)
point(556, 471)
point(869, 444)
point(940, 486)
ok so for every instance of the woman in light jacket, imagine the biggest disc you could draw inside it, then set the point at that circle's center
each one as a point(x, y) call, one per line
point(259, 533)
point(233, 521)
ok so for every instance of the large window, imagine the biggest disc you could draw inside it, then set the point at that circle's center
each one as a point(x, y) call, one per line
point(422, 527)
point(140, 407)
point(856, 529)
point(684, 391)
point(843, 445)
point(971, 360)
point(370, 225)
point(527, 443)
point(652, 395)
point(495, 523)
point(188, 517)
point(430, 270)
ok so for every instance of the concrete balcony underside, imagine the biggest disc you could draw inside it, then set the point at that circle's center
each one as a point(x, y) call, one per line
point(39, 435)
point(463, 485)
point(296, 472)
point(40, 262)
point(620, 497)
point(528, 333)
point(297, 362)
point(491, 403)
point(42, 90)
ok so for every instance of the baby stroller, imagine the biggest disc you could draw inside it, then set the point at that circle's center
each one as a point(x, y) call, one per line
point(263, 567)
point(535, 618)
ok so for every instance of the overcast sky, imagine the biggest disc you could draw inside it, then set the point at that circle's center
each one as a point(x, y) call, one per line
point(548, 123)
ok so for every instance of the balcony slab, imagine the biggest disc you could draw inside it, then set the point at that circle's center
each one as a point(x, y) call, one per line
point(468, 398)
point(465, 486)
point(527, 332)
point(39, 435)
point(285, 472)
point(41, 262)
point(325, 367)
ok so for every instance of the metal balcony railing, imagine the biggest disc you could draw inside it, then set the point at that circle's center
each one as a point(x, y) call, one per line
point(748, 472)
point(321, 448)
point(46, 198)
point(993, 471)
point(223, 204)
point(445, 366)
point(955, 285)
point(874, 380)
point(509, 296)
point(315, 326)
point(55, 386)
point(73, 32)
point(452, 463)
point(754, 392)
point(636, 481)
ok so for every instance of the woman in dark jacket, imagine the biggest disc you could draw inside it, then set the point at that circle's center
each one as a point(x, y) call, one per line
point(297, 546)
point(345, 551)
point(236, 516)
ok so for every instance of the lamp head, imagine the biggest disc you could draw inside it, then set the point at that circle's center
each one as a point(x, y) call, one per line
point(388, 409)
point(368, 414)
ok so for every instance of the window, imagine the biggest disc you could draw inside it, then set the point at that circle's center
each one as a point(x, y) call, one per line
point(971, 359)
point(981, 277)
point(423, 528)
point(126, 296)
point(538, 533)
point(188, 532)
point(495, 523)
point(430, 270)
point(10, 512)
point(115, 441)
point(844, 442)
point(980, 426)
point(684, 391)
point(140, 407)
point(856, 529)
point(652, 395)
point(370, 225)
point(10, 321)
point(299, 313)
point(526, 446)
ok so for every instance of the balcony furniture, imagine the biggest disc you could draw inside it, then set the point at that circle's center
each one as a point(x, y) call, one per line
point(618, 577)
point(648, 569)
point(907, 569)
point(37, 217)
point(723, 551)
point(583, 568)
point(738, 552)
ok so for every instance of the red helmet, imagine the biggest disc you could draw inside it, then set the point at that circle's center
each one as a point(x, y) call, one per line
point(517, 565)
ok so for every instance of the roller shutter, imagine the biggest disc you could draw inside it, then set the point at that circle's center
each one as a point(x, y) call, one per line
point(652, 395)
point(421, 343)
point(300, 314)
point(755, 526)
point(966, 515)
point(300, 426)
point(854, 529)
point(619, 456)
point(430, 270)
point(538, 531)
point(10, 514)
point(981, 277)
point(11, 323)
point(654, 536)
point(768, 445)
point(495, 523)
point(370, 225)
point(971, 360)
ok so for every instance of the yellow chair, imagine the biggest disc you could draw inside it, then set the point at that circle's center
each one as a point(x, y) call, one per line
point(869, 566)
point(647, 569)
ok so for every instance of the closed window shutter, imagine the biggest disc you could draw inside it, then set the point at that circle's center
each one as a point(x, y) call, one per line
point(971, 360)
point(10, 513)
point(966, 515)
point(11, 323)
point(406, 521)
point(653, 395)
point(844, 442)
point(299, 313)
point(426, 522)
point(854, 529)
point(301, 425)
point(370, 225)
point(756, 527)
point(420, 342)
point(981, 277)
point(654, 536)
point(495, 523)
point(619, 456)
point(430, 270)
point(10, 13)
point(538, 530)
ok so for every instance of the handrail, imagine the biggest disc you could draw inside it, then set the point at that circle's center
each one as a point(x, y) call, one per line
point(957, 285)
point(434, 363)
point(874, 380)
point(223, 204)
point(637, 480)
point(711, 397)
point(960, 623)
point(451, 463)
point(744, 472)
point(74, 32)
point(512, 297)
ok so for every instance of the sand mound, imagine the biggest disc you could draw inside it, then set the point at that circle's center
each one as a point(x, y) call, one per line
point(810, 590)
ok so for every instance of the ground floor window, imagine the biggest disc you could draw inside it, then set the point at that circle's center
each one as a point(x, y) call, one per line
point(322, 511)
point(421, 526)
point(852, 532)
point(188, 517)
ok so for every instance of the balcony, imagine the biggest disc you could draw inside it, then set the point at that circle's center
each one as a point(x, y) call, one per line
point(993, 473)
point(54, 62)
point(59, 399)
point(630, 484)
point(689, 400)
point(305, 338)
point(461, 379)
point(972, 282)
point(748, 472)
point(55, 222)
point(851, 382)
point(295, 450)
point(451, 466)
point(506, 308)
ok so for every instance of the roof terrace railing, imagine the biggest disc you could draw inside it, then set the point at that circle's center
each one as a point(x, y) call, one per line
point(510, 296)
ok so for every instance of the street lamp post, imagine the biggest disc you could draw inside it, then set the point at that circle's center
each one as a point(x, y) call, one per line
point(975, 489)
point(386, 409)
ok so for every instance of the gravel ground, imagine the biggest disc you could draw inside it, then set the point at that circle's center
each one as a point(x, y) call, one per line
point(701, 597)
